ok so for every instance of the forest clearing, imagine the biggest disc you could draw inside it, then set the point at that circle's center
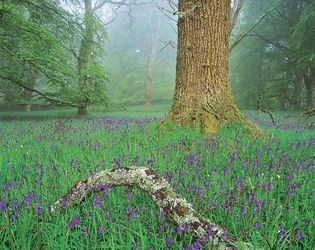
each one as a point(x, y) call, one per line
point(157, 124)
point(260, 190)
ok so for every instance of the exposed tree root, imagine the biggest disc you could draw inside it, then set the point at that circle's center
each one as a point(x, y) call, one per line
point(209, 124)
point(178, 210)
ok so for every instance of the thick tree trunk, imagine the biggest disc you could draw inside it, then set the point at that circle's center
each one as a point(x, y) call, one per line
point(203, 97)
point(85, 56)
point(177, 209)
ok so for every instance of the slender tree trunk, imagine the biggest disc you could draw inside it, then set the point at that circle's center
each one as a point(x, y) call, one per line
point(27, 95)
point(150, 66)
point(149, 76)
point(310, 88)
point(203, 97)
point(297, 93)
point(262, 84)
point(85, 56)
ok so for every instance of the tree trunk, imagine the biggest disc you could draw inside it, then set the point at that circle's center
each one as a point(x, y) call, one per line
point(203, 97)
point(310, 88)
point(297, 92)
point(151, 60)
point(150, 68)
point(27, 95)
point(85, 56)
point(262, 84)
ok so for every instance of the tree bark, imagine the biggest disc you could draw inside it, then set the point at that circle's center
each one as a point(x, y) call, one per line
point(176, 208)
point(309, 81)
point(85, 56)
point(203, 97)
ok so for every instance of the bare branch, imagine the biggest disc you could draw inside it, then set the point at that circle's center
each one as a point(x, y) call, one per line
point(243, 35)
point(44, 95)
point(121, 2)
point(236, 12)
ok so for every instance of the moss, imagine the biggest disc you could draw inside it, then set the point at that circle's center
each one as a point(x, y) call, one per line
point(170, 193)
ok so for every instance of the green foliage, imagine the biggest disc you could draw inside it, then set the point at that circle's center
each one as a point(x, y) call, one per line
point(303, 37)
point(272, 61)
point(42, 39)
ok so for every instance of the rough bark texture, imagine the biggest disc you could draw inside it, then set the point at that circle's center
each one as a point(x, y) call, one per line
point(203, 97)
point(85, 54)
point(147, 179)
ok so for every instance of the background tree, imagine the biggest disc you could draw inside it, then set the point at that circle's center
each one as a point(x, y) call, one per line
point(40, 39)
point(271, 53)
point(137, 52)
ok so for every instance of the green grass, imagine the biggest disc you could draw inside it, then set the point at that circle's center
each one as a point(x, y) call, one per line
point(48, 156)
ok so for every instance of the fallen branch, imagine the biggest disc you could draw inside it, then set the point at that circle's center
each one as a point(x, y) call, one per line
point(177, 209)
point(308, 113)
point(262, 109)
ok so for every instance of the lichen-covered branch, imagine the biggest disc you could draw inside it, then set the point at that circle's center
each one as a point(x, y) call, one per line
point(176, 208)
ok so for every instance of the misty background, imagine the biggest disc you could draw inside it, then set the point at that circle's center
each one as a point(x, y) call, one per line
point(270, 66)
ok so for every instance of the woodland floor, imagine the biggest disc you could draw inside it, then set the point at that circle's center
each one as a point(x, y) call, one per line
point(261, 190)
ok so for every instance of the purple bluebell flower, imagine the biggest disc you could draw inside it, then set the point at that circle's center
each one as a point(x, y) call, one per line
point(97, 202)
point(151, 161)
point(72, 162)
point(129, 195)
point(268, 186)
point(9, 186)
point(190, 159)
point(169, 240)
point(128, 210)
point(28, 198)
point(169, 176)
point(299, 235)
point(3, 206)
point(162, 212)
point(289, 176)
point(39, 209)
point(197, 168)
point(101, 229)
point(233, 156)
point(74, 221)
point(136, 245)
point(258, 225)
point(14, 203)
